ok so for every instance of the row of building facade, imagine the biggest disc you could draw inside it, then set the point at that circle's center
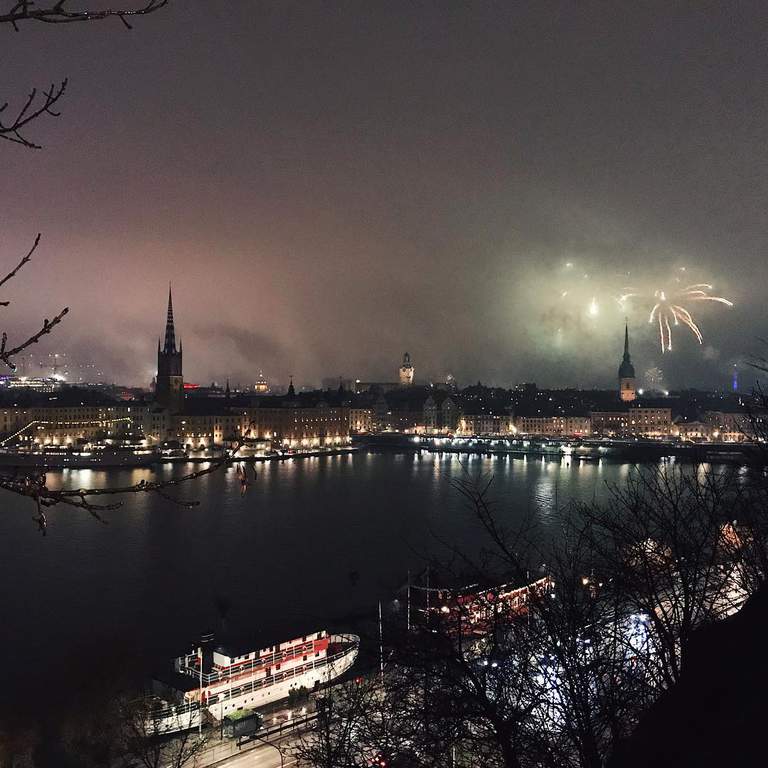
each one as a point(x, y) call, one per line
point(329, 418)
point(326, 419)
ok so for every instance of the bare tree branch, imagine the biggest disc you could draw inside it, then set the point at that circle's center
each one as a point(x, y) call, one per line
point(13, 272)
point(31, 110)
point(59, 12)
point(47, 327)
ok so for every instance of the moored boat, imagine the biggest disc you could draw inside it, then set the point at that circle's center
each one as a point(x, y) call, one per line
point(216, 681)
point(63, 458)
point(472, 611)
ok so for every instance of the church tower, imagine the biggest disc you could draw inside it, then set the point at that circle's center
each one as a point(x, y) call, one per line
point(169, 391)
point(406, 371)
point(627, 389)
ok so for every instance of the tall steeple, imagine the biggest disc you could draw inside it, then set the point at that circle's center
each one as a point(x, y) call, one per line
point(627, 390)
point(626, 342)
point(169, 391)
point(170, 331)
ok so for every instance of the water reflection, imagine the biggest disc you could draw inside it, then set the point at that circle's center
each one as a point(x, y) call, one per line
point(281, 555)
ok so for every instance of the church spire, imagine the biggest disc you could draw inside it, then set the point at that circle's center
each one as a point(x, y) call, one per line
point(626, 372)
point(170, 332)
point(626, 342)
point(169, 391)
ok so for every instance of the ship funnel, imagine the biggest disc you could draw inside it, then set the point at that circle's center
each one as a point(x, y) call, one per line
point(206, 647)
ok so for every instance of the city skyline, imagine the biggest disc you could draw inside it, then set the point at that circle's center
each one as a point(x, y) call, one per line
point(382, 164)
point(56, 365)
point(463, 459)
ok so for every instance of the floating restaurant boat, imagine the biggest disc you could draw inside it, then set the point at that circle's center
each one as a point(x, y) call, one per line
point(472, 611)
point(54, 457)
point(212, 682)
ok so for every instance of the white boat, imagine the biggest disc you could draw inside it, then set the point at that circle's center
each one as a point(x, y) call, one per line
point(217, 681)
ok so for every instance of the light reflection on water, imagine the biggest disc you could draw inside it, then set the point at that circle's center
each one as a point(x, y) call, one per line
point(282, 556)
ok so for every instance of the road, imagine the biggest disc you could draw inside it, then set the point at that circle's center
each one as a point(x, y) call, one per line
point(262, 756)
point(259, 757)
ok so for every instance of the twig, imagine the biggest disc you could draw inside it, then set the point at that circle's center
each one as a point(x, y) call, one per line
point(11, 131)
point(13, 272)
point(58, 13)
point(48, 325)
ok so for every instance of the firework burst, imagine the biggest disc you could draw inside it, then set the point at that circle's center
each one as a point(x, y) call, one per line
point(668, 310)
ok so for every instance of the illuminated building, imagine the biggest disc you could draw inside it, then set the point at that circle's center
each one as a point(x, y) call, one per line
point(361, 420)
point(69, 420)
point(636, 422)
point(553, 426)
point(694, 430)
point(735, 427)
point(485, 424)
point(261, 387)
point(36, 383)
point(406, 371)
point(169, 390)
point(627, 388)
point(441, 413)
point(307, 420)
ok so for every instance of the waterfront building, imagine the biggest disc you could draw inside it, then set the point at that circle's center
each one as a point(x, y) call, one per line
point(361, 420)
point(627, 387)
point(729, 427)
point(306, 420)
point(400, 410)
point(485, 424)
point(73, 416)
point(208, 423)
point(478, 418)
point(440, 413)
point(694, 431)
point(169, 389)
point(636, 421)
point(553, 426)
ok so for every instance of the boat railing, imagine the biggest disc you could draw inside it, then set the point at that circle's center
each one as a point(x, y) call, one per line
point(174, 710)
point(240, 688)
point(252, 665)
point(244, 688)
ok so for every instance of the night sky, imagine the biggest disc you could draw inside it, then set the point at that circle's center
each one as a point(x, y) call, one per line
point(328, 185)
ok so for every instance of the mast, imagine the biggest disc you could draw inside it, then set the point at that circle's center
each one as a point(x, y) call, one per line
point(200, 700)
point(381, 647)
point(408, 602)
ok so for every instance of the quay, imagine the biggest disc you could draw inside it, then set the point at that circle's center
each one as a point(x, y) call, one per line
point(574, 449)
